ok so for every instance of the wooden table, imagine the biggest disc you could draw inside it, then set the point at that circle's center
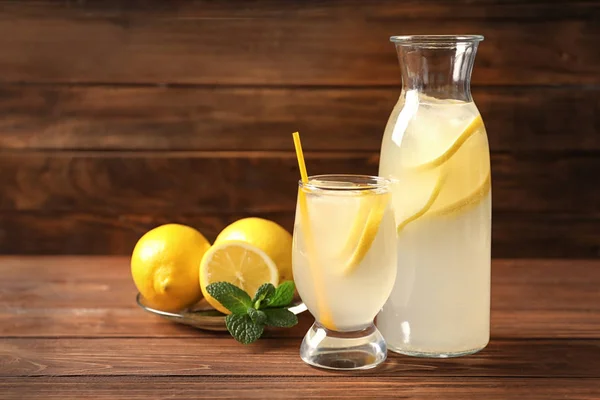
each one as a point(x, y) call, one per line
point(70, 328)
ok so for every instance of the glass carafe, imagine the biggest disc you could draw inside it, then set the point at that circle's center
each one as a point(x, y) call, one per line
point(435, 149)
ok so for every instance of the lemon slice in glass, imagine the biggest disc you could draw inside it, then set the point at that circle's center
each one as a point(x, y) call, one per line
point(238, 263)
point(364, 229)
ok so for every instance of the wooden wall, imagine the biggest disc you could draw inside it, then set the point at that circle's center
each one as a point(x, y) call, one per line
point(116, 116)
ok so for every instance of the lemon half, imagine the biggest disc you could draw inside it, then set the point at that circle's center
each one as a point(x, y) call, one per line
point(268, 236)
point(239, 263)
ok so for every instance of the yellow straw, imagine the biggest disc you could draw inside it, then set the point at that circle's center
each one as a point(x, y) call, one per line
point(300, 156)
point(325, 317)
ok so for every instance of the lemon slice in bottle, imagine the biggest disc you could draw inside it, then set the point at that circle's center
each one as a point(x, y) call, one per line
point(433, 145)
point(467, 176)
point(419, 193)
point(437, 180)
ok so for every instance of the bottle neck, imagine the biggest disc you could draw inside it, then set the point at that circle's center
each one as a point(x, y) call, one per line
point(440, 72)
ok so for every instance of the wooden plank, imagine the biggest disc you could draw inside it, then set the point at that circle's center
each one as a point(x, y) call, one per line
point(73, 43)
point(205, 356)
point(545, 235)
point(258, 182)
point(409, 9)
point(168, 356)
point(101, 234)
point(133, 322)
point(211, 181)
point(94, 297)
point(513, 235)
point(111, 276)
point(333, 387)
point(224, 118)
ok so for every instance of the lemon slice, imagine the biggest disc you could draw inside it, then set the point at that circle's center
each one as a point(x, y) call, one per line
point(445, 181)
point(418, 213)
point(433, 146)
point(415, 193)
point(238, 263)
point(467, 175)
point(326, 316)
point(471, 199)
point(364, 229)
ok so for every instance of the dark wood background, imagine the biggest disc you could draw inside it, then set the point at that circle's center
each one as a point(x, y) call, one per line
point(116, 116)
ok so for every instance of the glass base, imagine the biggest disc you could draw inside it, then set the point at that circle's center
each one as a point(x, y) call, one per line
point(425, 354)
point(346, 351)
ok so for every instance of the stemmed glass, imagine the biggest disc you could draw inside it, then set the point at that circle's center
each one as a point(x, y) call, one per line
point(344, 263)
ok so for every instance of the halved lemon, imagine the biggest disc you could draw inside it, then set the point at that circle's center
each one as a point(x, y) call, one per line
point(268, 236)
point(238, 263)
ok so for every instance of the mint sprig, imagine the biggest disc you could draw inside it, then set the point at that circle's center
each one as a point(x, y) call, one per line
point(249, 316)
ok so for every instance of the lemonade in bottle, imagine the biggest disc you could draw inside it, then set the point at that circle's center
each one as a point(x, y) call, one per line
point(435, 149)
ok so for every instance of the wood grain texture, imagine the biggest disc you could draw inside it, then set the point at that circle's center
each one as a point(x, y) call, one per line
point(224, 356)
point(147, 77)
point(96, 233)
point(513, 234)
point(97, 205)
point(257, 182)
point(101, 202)
point(225, 118)
point(165, 360)
point(409, 9)
point(367, 387)
point(75, 43)
point(46, 297)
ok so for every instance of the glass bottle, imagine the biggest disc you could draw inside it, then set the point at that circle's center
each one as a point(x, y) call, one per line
point(435, 149)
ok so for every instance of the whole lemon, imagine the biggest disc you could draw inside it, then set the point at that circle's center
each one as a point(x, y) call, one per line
point(266, 235)
point(164, 266)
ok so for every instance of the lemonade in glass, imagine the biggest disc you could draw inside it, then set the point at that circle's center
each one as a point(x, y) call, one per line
point(344, 265)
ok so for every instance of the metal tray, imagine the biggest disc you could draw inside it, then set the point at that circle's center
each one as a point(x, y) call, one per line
point(202, 315)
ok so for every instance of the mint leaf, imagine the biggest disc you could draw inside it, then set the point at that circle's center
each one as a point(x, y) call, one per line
point(257, 316)
point(243, 329)
point(284, 294)
point(264, 292)
point(280, 317)
point(230, 296)
point(247, 321)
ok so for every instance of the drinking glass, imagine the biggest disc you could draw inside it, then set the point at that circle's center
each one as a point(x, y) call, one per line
point(344, 263)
